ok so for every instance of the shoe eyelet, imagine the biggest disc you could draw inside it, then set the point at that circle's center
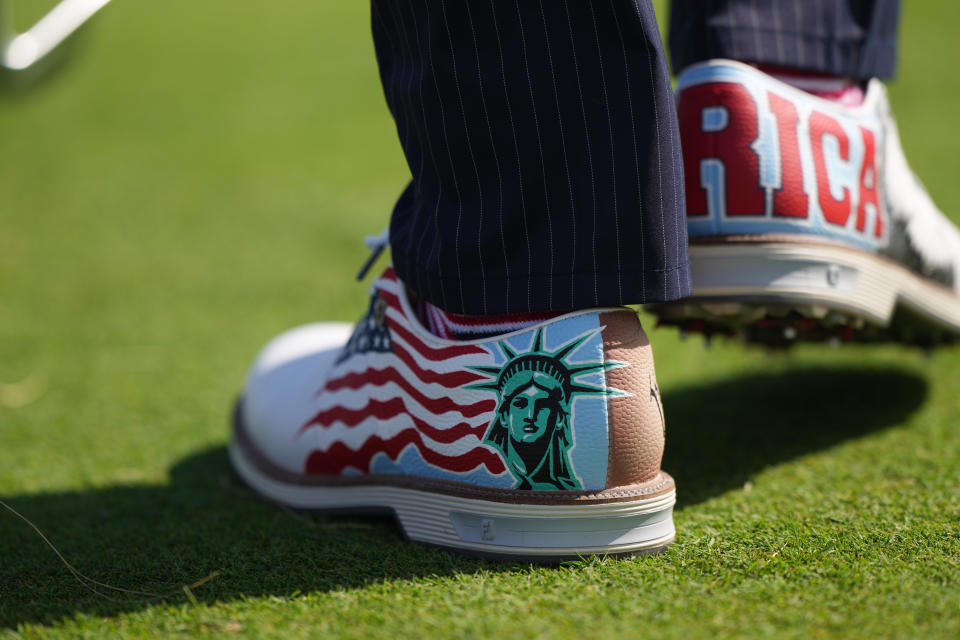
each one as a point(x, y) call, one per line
point(379, 312)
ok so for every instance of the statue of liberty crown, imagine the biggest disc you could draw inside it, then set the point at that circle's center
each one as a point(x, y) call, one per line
point(549, 363)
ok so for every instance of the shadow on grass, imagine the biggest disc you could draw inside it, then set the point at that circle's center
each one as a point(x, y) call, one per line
point(719, 435)
point(158, 538)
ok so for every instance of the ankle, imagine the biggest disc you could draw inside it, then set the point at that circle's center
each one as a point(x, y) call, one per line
point(840, 89)
point(456, 326)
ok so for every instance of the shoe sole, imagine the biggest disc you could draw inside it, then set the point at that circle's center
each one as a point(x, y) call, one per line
point(549, 527)
point(810, 290)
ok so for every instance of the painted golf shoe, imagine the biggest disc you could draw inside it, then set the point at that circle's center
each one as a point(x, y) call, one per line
point(541, 444)
point(805, 220)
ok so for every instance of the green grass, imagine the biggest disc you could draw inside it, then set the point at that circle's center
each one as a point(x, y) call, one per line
point(198, 177)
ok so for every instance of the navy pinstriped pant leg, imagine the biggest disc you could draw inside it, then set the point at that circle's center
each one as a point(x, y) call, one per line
point(856, 38)
point(543, 145)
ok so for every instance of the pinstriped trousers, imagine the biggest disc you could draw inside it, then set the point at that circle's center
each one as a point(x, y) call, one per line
point(542, 136)
point(855, 38)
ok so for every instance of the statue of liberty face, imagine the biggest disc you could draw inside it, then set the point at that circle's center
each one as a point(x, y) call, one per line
point(532, 429)
point(531, 413)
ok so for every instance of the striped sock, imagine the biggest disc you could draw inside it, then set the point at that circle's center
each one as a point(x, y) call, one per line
point(845, 91)
point(455, 326)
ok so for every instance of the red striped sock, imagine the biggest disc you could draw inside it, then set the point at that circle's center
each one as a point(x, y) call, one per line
point(840, 89)
point(456, 326)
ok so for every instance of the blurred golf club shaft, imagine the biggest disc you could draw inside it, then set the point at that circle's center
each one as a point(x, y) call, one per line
point(19, 51)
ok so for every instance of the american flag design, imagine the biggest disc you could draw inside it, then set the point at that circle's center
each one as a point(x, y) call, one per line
point(401, 401)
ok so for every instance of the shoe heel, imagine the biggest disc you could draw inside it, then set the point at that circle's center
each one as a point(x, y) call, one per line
point(540, 533)
point(798, 273)
point(622, 521)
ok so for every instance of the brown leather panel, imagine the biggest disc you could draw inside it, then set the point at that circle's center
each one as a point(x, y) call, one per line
point(659, 485)
point(635, 421)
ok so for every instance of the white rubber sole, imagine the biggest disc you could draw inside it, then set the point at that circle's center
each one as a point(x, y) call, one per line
point(481, 527)
point(858, 282)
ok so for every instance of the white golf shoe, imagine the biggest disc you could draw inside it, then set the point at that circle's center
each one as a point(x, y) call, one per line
point(541, 444)
point(805, 220)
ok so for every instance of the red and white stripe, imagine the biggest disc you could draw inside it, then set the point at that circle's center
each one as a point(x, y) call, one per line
point(384, 402)
point(453, 326)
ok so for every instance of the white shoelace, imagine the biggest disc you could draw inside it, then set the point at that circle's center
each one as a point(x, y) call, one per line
point(376, 244)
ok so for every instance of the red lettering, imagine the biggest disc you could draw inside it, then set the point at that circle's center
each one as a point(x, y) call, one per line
point(789, 200)
point(730, 145)
point(869, 192)
point(834, 211)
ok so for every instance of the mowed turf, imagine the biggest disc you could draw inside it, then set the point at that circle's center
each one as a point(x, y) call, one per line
point(199, 176)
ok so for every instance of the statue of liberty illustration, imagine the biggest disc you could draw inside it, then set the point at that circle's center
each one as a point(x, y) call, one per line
point(532, 428)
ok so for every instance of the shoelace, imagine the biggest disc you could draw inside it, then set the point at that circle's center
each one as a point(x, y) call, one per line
point(376, 244)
